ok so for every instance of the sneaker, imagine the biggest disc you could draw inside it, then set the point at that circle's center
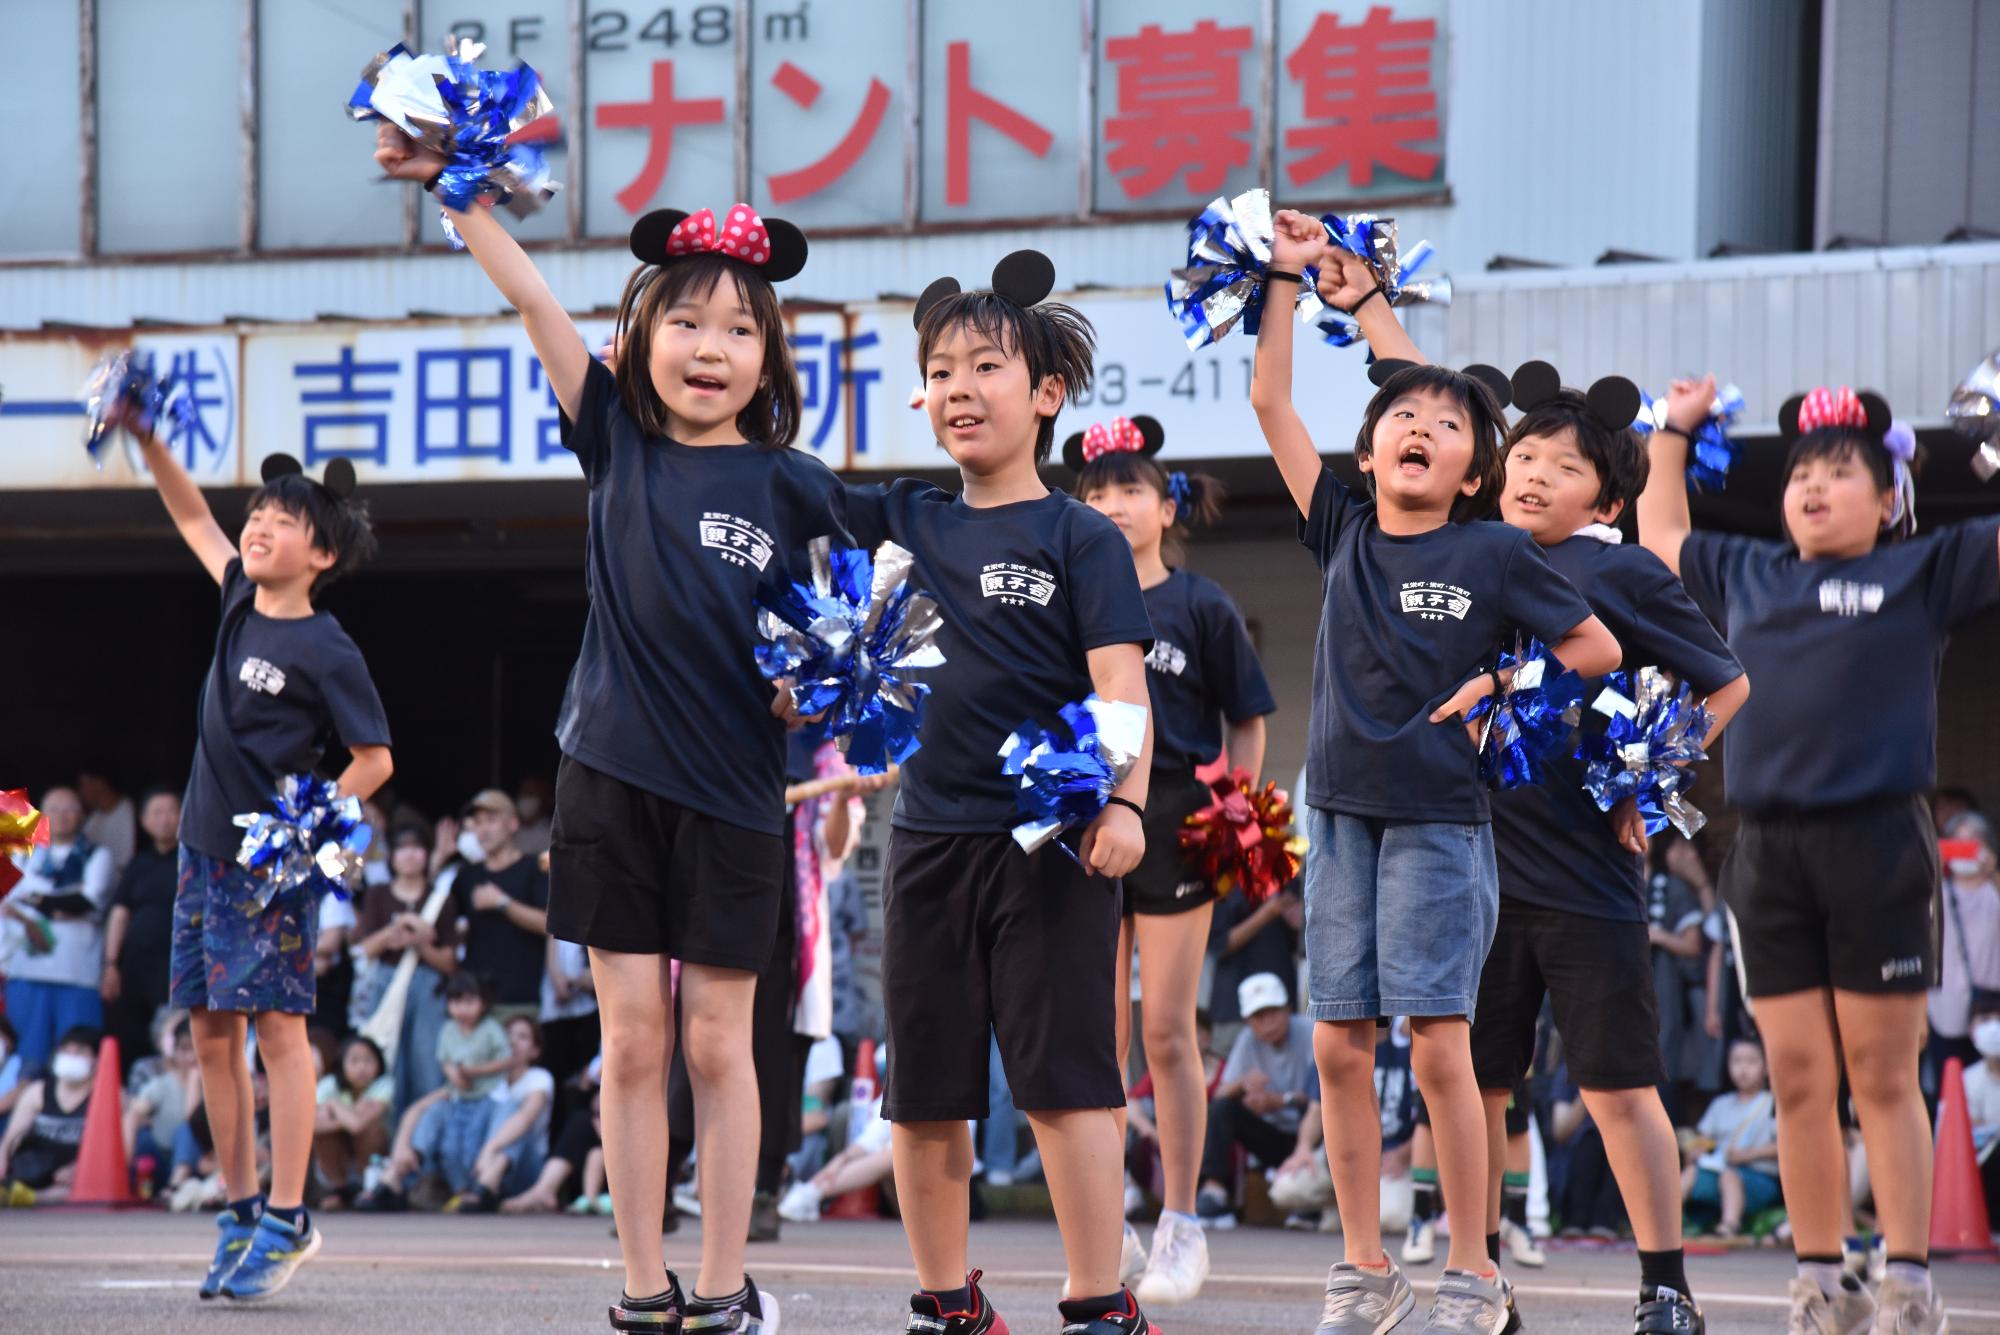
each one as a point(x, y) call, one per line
point(1128, 1321)
point(382, 1199)
point(1668, 1312)
point(1212, 1208)
point(1850, 1312)
point(1420, 1245)
point(928, 1317)
point(1521, 1247)
point(1469, 1305)
point(580, 1206)
point(1364, 1302)
point(17, 1196)
point(687, 1199)
point(1903, 1308)
point(1178, 1265)
point(764, 1223)
point(656, 1321)
point(800, 1205)
point(755, 1313)
point(276, 1250)
point(1131, 1256)
point(232, 1240)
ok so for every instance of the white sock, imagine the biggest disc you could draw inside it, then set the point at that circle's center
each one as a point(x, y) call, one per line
point(1916, 1276)
point(1826, 1274)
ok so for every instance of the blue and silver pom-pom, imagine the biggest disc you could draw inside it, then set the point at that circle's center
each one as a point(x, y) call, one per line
point(493, 127)
point(1066, 779)
point(1710, 450)
point(848, 640)
point(1533, 719)
point(1374, 241)
point(1647, 752)
point(1222, 285)
point(311, 839)
point(124, 391)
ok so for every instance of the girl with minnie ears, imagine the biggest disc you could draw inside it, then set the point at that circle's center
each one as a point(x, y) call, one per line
point(1201, 671)
point(668, 840)
point(1831, 882)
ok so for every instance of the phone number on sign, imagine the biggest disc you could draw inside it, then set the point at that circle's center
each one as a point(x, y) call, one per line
point(1208, 380)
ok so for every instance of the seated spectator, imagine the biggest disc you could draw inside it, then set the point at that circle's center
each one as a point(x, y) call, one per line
point(574, 1170)
point(351, 1123)
point(1305, 1191)
point(196, 1182)
point(333, 966)
point(510, 1160)
point(1268, 1101)
point(1982, 1094)
point(570, 1033)
point(138, 934)
point(160, 1101)
point(864, 1163)
point(1969, 954)
point(1246, 939)
point(11, 1084)
point(1736, 1171)
point(1142, 1136)
point(52, 934)
point(1586, 1196)
point(45, 1131)
point(501, 902)
point(823, 1081)
point(441, 1134)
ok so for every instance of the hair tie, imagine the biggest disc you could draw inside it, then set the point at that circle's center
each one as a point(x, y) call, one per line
point(1901, 443)
point(1178, 490)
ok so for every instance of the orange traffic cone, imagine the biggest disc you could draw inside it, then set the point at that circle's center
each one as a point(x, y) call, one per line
point(101, 1174)
point(1958, 1199)
point(862, 1202)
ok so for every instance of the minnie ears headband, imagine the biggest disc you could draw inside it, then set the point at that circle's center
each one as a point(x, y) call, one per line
point(1024, 278)
point(1613, 402)
point(772, 246)
point(1140, 435)
point(338, 478)
point(1866, 411)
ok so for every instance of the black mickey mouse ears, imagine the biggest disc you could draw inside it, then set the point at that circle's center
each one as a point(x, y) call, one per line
point(1024, 278)
point(1873, 405)
point(338, 477)
point(1492, 377)
point(666, 235)
point(1113, 437)
point(1612, 402)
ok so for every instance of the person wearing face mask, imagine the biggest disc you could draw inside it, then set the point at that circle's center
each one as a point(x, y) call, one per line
point(1969, 962)
point(52, 932)
point(11, 1086)
point(38, 1152)
point(1982, 1092)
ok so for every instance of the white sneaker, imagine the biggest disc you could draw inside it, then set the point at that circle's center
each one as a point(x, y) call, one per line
point(1132, 1259)
point(687, 1199)
point(1179, 1263)
point(1849, 1312)
point(800, 1204)
point(1521, 1247)
point(1903, 1309)
point(1420, 1245)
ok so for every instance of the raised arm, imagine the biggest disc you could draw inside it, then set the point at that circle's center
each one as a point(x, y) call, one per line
point(1297, 242)
point(1664, 522)
point(549, 327)
point(1347, 283)
point(187, 507)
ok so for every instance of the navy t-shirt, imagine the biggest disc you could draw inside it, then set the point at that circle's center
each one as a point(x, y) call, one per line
point(1404, 622)
point(666, 695)
point(280, 694)
point(1026, 591)
point(1200, 670)
point(1845, 656)
point(1554, 847)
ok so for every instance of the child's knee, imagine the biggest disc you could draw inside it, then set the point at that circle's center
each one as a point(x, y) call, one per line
point(713, 1048)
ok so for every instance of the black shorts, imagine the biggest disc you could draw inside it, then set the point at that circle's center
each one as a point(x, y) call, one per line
point(1162, 882)
point(1518, 1111)
point(1841, 897)
point(979, 939)
point(635, 873)
point(1598, 976)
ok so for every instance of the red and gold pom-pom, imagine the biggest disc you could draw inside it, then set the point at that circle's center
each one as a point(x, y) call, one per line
point(21, 829)
point(1243, 837)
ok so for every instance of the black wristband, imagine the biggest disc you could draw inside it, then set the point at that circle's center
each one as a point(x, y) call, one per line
point(1128, 804)
point(1298, 278)
point(431, 185)
point(1499, 687)
point(1375, 291)
point(1676, 431)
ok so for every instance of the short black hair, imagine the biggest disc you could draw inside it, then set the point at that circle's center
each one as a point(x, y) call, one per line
point(1052, 338)
point(466, 983)
point(339, 525)
point(1488, 423)
point(81, 1035)
point(1618, 457)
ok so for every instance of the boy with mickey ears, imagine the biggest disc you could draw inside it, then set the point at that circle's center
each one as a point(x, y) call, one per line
point(1401, 890)
point(1041, 606)
point(285, 678)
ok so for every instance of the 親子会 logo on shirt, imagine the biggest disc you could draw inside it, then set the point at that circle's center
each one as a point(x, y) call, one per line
point(1428, 600)
point(261, 676)
point(1016, 585)
point(737, 540)
point(1167, 658)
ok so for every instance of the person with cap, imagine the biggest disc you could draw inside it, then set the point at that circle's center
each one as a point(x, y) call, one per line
point(1268, 1101)
point(502, 904)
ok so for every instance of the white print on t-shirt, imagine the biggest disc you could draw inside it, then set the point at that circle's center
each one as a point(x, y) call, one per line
point(1846, 598)
point(1017, 585)
point(1431, 601)
point(1169, 658)
point(261, 676)
point(740, 542)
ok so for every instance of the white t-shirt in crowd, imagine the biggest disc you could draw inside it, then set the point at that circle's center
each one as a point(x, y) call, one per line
point(510, 1094)
point(77, 957)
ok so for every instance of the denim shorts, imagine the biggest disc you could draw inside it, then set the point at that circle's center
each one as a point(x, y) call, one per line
point(1399, 916)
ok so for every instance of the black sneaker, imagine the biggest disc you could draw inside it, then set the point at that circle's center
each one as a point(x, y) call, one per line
point(662, 1320)
point(1668, 1312)
point(928, 1317)
point(1128, 1321)
point(384, 1199)
point(764, 1223)
point(753, 1313)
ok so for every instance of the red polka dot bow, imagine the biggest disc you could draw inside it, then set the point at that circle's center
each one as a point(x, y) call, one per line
point(1831, 407)
point(1117, 436)
point(742, 236)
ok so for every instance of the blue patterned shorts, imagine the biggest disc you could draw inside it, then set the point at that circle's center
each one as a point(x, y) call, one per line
point(226, 958)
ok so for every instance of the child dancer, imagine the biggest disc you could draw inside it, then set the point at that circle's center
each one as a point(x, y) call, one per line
point(284, 679)
point(1201, 670)
point(1401, 891)
point(1831, 882)
point(668, 836)
point(1041, 607)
